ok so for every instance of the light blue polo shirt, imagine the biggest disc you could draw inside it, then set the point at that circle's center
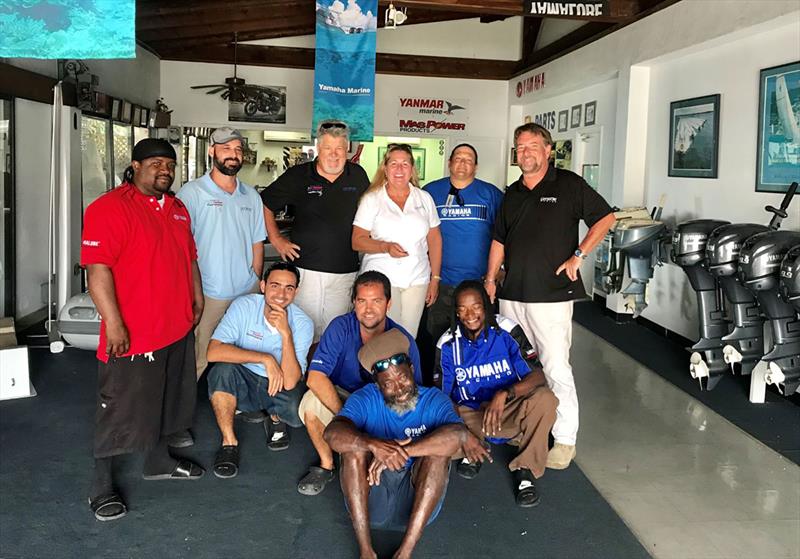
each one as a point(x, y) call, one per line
point(245, 327)
point(225, 228)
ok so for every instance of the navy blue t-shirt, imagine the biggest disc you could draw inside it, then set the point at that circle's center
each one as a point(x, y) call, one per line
point(337, 353)
point(466, 230)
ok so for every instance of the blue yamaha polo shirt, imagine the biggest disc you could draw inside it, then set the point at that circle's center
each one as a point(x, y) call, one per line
point(225, 228)
point(337, 353)
point(245, 326)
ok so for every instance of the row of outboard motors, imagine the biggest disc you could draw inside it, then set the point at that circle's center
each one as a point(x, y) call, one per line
point(746, 276)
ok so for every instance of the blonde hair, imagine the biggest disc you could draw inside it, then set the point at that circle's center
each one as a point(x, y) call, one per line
point(379, 180)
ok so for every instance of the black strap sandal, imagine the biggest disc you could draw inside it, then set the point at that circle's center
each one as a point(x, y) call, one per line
point(314, 482)
point(108, 507)
point(278, 436)
point(467, 469)
point(525, 488)
point(184, 469)
point(226, 462)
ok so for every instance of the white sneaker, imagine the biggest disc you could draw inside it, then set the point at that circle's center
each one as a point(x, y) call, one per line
point(560, 456)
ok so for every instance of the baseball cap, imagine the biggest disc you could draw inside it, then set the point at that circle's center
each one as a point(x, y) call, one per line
point(152, 147)
point(225, 134)
point(381, 347)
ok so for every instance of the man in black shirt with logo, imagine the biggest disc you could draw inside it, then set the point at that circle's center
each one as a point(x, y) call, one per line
point(324, 194)
point(536, 235)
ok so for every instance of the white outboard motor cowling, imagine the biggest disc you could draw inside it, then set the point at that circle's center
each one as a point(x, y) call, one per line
point(79, 322)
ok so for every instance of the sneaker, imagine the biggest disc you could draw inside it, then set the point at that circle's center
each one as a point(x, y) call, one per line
point(278, 436)
point(252, 416)
point(467, 469)
point(181, 439)
point(560, 456)
point(525, 493)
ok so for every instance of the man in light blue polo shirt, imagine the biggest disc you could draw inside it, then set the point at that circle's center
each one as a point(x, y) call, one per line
point(259, 349)
point(228, 228)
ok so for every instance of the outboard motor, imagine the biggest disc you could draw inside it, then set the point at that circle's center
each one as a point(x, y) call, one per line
point(790, 278)
point(689, 242)
point(760, 263)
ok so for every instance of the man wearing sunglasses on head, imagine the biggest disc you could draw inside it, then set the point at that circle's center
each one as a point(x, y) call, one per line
point(394, 437)
point(466, 206)
point(324, 195)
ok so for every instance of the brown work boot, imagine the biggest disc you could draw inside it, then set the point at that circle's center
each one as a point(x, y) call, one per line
point(560, 456)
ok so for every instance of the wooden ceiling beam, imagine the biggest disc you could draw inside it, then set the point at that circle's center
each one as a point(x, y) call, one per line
point(530, 33)
point(302, 58)
point(494, 7)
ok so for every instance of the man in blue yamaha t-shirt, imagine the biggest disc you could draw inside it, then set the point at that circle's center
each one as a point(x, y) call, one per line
point(394, 437)
point(466, 207)
point(334, 371)
point(489, 369)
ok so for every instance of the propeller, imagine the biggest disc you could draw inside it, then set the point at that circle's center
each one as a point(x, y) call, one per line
point(233, 88)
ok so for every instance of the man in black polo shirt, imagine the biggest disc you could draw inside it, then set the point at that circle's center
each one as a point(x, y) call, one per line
point(536, 235)
point(324, 194)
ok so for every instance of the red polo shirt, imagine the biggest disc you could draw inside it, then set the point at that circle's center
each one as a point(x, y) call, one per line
point(150, 251)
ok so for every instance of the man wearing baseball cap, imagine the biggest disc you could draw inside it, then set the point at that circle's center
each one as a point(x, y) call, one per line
point(394, 437)
point(228, 227)
point(143, 277)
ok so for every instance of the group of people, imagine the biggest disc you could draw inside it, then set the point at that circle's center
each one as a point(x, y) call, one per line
point(324, 340)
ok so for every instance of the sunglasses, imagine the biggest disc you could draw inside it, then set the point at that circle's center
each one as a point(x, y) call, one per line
point(383, 364)
point(454, 195)
point(333, 124)
point(405, 147)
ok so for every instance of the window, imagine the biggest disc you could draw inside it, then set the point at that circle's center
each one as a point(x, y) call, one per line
point(94, 158)
point(123, 148)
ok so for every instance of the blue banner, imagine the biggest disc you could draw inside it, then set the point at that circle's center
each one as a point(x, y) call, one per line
point(344, 69)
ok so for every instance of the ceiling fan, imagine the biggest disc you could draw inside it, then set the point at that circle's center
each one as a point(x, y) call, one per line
point(234, 88)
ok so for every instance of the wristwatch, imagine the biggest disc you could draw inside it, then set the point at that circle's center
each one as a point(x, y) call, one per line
point(580, 254)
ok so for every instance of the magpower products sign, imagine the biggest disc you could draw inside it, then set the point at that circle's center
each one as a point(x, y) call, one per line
point(432, 115)
point(569, 8)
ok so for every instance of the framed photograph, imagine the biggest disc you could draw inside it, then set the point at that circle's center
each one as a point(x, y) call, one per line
point(127, 112)
point(514, 157)
point(562, 154)
point(116, 109)
point(137, 115)
point(589, 116)
point(575, 119)
point(563, 120)
point(145, 117)
point(694, 137)
point(419, 159)
point(249, 157)
point(778, 161)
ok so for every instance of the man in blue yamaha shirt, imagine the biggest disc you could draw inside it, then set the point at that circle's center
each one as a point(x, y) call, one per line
point(394, 437)
point(467, 207)
point(489, 369)
point(334, 371)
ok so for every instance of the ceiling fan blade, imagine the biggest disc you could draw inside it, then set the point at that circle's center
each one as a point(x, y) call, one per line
point(210, 85)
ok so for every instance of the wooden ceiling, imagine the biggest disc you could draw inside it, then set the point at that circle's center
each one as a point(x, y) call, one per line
point(203, 31)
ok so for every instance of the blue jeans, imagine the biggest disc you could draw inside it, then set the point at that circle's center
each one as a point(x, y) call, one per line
point(250, 391)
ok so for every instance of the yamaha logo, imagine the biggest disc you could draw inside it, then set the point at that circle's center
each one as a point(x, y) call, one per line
point(461, 374)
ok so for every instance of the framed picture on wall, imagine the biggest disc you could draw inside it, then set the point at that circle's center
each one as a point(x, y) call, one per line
point(563, 120)
point(694, 137)
point(778, 161)
point(513, 159)
point(589, 116)
point(575, 119)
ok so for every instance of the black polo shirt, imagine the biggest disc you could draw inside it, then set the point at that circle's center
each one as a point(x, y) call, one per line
point(539, 229)
point(324, 212)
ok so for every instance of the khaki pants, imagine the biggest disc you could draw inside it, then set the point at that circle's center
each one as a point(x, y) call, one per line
point(407, 305)
point(310, 403)
point(526, 421)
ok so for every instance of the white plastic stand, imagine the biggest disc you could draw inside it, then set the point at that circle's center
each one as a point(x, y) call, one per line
point(758, 383)
point(15, 381)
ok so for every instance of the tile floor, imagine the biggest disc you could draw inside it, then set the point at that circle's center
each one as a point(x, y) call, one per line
point(687, 482)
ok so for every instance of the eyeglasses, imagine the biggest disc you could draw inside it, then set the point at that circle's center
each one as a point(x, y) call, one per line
point(333, 124)
point(454, 194)
point(383, 364)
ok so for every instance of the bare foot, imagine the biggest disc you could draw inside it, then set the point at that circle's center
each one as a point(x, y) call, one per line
point(402, 554)
point(368, 554)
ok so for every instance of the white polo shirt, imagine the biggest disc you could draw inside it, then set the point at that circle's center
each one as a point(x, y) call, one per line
point(408, 227)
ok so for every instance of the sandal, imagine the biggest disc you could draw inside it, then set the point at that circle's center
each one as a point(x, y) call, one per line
point(315, 481)
point(278, 436)
point(226, 462)
point(184, 469)
point(525, 488)
point(108, 507)
point(467, 469)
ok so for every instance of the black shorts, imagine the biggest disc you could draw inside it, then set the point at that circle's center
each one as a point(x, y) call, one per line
point(144, 398)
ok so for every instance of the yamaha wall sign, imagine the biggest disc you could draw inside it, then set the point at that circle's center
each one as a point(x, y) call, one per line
point(569, 8)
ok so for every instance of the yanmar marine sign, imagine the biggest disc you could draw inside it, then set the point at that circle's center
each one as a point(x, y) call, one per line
point(427, 115)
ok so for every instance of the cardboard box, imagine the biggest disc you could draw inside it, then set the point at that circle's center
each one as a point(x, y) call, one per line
point(8, 336)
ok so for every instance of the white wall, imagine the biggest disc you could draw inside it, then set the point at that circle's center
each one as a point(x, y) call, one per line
point(487, 129)
point(731, 70)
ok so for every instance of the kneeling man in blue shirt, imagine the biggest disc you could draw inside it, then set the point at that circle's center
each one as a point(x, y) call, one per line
point(394, 437)
point(260, 349)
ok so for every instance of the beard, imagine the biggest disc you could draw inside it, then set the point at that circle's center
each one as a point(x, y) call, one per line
point(402, 407)
point(225, 170)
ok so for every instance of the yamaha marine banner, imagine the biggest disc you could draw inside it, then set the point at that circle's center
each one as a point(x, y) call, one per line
point(344, 69)
point(570, 8)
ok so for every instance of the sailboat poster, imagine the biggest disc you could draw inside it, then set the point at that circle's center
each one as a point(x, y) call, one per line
point(779, 128)
point(694, 137)
point(344, 66)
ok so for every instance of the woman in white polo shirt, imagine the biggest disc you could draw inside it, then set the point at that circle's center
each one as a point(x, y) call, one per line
point(397, 228)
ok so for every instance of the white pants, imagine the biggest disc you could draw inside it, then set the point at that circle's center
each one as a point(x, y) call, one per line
point(407, 306)
point(324, 296)
point(548, 327)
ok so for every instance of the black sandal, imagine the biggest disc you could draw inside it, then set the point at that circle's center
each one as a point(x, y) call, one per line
point(314, 482)
point(226, 462)
point(467, 469)
point(525, 488)
point(278, 436)
point(184, 469)
point(108, 507)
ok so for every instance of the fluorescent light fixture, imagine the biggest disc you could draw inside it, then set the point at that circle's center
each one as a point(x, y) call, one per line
point(399, 140)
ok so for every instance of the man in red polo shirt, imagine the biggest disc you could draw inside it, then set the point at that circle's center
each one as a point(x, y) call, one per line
point(143, 277)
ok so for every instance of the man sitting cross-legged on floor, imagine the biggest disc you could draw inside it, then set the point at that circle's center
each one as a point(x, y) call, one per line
point(395, 440)
point(260, 349)
point(334, 371)
point(493, 375)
